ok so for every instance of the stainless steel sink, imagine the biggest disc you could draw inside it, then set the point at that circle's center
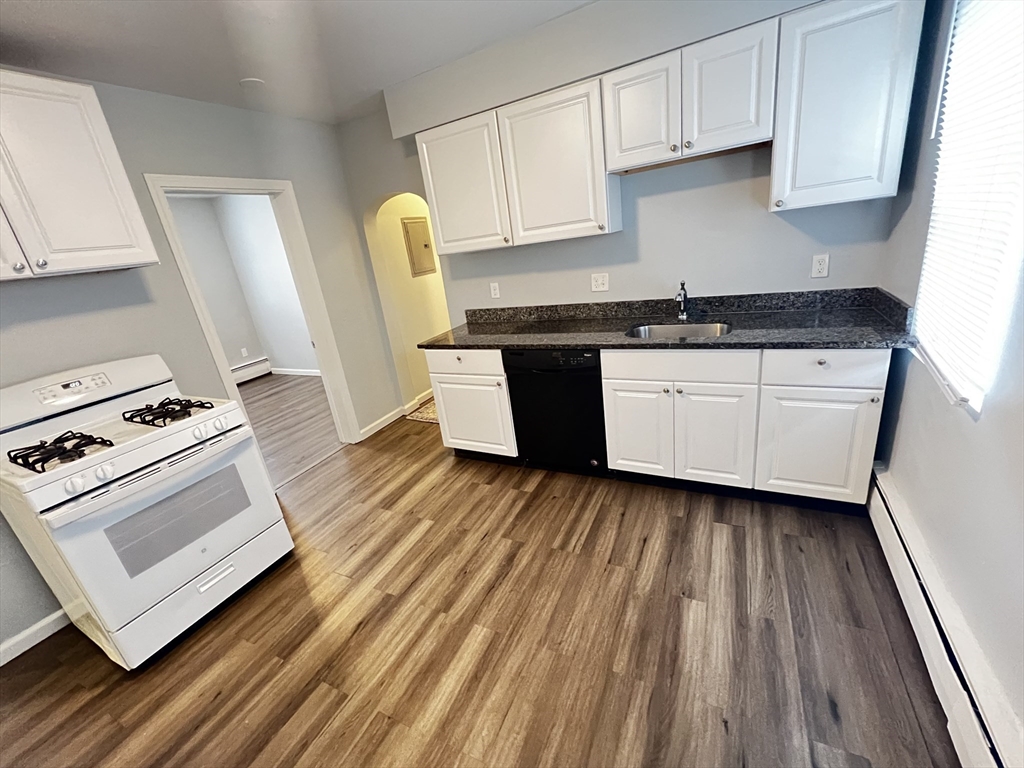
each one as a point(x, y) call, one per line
point(679, 331)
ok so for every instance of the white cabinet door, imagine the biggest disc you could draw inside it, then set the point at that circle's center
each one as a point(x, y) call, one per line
point(461, 165)
point(729, 89)
point(642, 118)
point(715, 433)
point(846, 70)
point(817, 442)
point(12, 260)
point(474, 413)
point(552, 148)
point(63, 187)
point(638, 426)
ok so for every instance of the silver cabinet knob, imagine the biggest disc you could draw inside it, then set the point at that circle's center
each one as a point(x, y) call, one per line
point(688, 144)
point(18, 267)
point(822, 361)
point(499, 385)
point(505, 239)
point(459, 358)
point(778, 203)
point(673, 147)
point(41, 263)
point(665, 390)
point(679, 390)
point(601, 227)
point(876, 399)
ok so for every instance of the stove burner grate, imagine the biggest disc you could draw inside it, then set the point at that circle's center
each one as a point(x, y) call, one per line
point(168, 410)
point(69, 446)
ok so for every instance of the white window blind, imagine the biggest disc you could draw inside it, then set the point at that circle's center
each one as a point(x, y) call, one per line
point(974, 248)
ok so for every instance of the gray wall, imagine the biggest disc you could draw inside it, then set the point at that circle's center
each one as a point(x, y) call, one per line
point(208, 254)
point(961, 476)
point(593, 39)
point(52, 324)
point(261, 264)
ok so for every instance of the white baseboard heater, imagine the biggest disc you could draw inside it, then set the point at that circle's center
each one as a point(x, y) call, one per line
point(971, 734)
point(250, 369)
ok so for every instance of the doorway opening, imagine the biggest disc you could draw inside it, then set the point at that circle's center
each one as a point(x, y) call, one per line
point(243, 255)
point(405, 266)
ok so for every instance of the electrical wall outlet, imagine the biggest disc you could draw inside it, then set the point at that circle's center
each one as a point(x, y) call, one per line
point(599, 282)
point(495, 293)
point(819, 265)
point(245, 352)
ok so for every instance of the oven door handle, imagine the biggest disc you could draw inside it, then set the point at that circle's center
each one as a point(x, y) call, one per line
point(142, 479)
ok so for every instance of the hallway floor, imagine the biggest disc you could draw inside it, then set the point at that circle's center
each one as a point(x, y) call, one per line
point(440, 611)
point(292, 421)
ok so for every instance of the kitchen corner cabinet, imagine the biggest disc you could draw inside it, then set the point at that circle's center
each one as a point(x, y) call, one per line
point(638, 426)
point(474, 412)
point(715, 433)
point(552, 150)
point(642, 123)
point(818, 442)
point(729, 89)
point(63, 188)
point(465, 185)
point(846, 71)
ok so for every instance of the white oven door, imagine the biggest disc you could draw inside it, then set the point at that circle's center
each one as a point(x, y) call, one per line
point(137, 540)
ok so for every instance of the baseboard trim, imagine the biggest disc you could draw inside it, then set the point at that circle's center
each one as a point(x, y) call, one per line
point(296, 371)
point(382, 422)
point(417, 401)
point(13, 647)
point(250, 370)
point(981, 723)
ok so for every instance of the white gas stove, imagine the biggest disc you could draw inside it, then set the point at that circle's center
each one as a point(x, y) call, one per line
point(142, 508)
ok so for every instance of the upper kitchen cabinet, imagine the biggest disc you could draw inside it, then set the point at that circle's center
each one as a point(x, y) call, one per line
point(729, 89)
point(62, 185)
point(461, 164)
point(552, 147)
point(642, 118)
point(846, 69)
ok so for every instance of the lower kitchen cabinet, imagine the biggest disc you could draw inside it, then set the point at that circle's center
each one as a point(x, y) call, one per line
point(474, 413)
point(639, 427)
point(817, 441)
point(715, 433)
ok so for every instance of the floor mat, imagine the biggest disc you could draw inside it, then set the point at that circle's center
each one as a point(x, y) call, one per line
point(426, 412)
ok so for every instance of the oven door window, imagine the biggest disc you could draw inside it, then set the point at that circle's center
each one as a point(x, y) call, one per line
point(159, 531)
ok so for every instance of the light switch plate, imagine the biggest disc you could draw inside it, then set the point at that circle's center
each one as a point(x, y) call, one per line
point(819, 265)
point(495, 293)
point(599, 281)
point(245, 352)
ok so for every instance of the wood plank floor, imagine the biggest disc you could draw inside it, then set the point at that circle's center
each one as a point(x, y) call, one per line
point(446, 612)
point(292, 421)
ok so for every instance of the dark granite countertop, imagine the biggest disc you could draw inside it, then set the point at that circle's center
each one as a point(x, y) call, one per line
point(862, 318)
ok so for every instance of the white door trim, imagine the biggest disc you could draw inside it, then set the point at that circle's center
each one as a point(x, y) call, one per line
point(300, 260)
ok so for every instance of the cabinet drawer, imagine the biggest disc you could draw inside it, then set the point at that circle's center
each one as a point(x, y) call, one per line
point(865, 368)
point(486, 362)
point(719, 366)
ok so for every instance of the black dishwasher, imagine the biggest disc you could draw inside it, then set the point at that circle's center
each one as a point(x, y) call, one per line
point(557, 407)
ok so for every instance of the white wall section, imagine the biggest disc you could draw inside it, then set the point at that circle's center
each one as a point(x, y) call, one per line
point(261, 264)
point(210, 259)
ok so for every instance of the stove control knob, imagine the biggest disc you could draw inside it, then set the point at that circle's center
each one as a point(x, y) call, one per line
point(74, 485)
point(105, 471)
point(199, 432)
point(220, 424)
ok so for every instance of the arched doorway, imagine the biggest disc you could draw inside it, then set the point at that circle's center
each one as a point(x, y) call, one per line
point(408, 275)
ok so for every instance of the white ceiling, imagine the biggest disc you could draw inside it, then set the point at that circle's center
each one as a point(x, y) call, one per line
point(324, 60)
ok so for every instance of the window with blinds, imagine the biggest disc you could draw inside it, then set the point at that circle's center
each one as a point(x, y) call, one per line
point(973, 252)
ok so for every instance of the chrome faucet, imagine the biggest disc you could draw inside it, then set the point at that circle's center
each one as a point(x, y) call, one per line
point(681, 297)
